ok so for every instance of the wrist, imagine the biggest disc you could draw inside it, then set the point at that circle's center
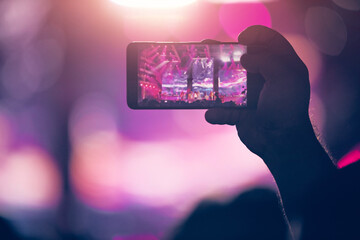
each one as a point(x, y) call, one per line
point(297, 161)
point(293, 143)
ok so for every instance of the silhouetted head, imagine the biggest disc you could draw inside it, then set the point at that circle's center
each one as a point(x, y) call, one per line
point(7, 231)
point(255, 214)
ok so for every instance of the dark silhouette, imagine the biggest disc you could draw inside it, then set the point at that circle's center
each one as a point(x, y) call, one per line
point(255, 214)
point(7, 230)
point(324, 199)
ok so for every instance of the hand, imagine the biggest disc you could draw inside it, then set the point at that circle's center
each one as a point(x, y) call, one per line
point(279, 129)
point(283, 100)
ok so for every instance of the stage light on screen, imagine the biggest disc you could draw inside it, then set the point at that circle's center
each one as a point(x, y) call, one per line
point(225, 58)
point(153, 3)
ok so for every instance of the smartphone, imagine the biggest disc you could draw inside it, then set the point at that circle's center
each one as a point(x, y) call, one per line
point(188, 75)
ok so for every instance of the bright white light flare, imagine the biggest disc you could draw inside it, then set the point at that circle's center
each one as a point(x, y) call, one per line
point(153, 3)
point(240, 1)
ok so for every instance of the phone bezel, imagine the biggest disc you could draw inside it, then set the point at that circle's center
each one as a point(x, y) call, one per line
point(132, 79)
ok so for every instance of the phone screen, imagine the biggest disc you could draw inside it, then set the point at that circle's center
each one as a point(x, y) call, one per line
point(183, 75)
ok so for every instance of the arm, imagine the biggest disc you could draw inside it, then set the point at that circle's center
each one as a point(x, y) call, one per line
point(299, 164)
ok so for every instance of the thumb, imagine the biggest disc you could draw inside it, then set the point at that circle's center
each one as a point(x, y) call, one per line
point(270, 54)
point(223, 116)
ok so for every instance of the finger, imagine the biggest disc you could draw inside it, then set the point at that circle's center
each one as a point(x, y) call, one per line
point(274, 67)
point(270, 54)
point(209, 41)
point(223, 116)
point(258, 35)
point(251, 62)
point(270, 67)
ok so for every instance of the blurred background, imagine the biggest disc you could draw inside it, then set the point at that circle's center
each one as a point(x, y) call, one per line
point(76, 162)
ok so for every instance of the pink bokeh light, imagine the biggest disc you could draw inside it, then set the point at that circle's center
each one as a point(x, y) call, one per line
point(154, 174)
point(29, 178)
point(108, 172)
point(235, 18)
point(91, 114)
point(97, 152)
point(351, 157)
point(327, 29)
point(96, 171)
point(181, 172)
point(6, 134)
point(352, 5)
point(193, 124)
